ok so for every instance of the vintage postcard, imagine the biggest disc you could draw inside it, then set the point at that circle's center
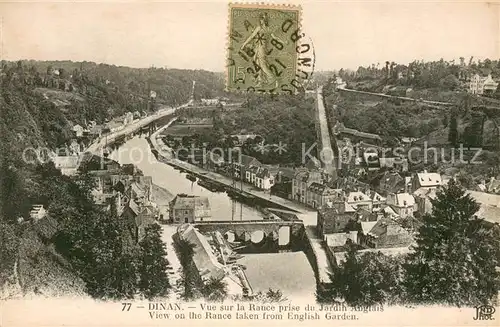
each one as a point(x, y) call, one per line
point(249, 163)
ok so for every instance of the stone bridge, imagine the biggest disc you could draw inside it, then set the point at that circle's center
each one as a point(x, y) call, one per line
point(285, 232)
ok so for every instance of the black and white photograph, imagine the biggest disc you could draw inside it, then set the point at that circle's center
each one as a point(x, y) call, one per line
point(224, 163)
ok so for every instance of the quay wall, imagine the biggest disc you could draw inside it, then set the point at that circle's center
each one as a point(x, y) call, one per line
point(311, 257)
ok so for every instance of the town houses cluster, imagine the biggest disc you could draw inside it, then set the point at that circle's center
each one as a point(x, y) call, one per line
point(381, 212)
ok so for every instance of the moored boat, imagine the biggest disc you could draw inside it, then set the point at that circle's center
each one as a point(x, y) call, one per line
point(192, 178)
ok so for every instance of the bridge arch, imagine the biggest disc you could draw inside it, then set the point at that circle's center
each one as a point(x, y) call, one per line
point(257, 237)
point(230, 236)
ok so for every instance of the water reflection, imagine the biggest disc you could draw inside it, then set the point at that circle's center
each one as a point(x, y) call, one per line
point(289, 272)
point(136, 151)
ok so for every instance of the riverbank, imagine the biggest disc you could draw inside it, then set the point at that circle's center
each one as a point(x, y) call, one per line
point(244, 189)
point(314, 248)
point(222, 207)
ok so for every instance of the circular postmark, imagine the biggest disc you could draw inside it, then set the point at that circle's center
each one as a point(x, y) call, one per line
point(268, 52)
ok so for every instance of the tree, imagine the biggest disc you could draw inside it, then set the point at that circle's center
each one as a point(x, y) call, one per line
point(381, 279)
point(215, 289)
point(473, 133)
point(346, 279)
point(152, 267)
point(453, 130)
point(466, 180)
point(455, 259)
point(450, 82)
point(9, 243)
point(124, 277)
point(366, 279)
point(274, 295)
point(185, 251)
point(271, 296)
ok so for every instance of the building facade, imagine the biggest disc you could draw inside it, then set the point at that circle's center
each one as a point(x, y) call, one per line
point(402, 203)
point(334, 219)
point(481, 85)
point(189, 209)
point(302, 179)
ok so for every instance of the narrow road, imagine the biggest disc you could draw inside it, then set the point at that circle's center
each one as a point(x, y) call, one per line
point(175, 272)
point(382, 95)
point(326, 155)
point(96, 146)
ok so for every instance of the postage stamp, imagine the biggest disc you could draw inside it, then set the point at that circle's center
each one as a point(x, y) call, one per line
point(266, 49)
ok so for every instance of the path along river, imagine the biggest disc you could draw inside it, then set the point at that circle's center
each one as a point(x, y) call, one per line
point(289, 272)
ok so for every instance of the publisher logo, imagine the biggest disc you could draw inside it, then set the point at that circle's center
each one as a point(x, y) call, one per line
point(484, 312)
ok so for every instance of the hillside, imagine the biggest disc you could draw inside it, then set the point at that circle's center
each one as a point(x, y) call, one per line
point(39, 104)
point(289, 121)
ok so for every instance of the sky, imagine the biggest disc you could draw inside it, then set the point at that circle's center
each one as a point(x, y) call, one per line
point(192, 35)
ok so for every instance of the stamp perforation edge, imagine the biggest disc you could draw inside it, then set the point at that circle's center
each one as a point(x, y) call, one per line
point(248, 4)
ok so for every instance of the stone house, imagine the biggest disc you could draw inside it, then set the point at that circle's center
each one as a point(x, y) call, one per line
point(481, 85)
point(318, 195)
point(334, 218)
point(378, 201)
point(402, 203)
point(189, 209)
point(426, 180)
point(390, 182)
point(264, 178)
point(302, 179)
point(386, 233)
point(137, 217)
point(358, 199)
point(242, 164)
point(67, 164)
point(423, 197)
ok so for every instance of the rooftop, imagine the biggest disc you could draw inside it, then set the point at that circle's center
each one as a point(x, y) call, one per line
point(248, 160)
point(205, 260)
point(485, 198)
point(401, 200)
point(489, 205)
point(367, 226)
point(390, 234)
point(357, 197)
point(65, 161)
point(429, 179)
point(425, 193)
point(182, 201)
point(340, 128)
point(323, 189)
